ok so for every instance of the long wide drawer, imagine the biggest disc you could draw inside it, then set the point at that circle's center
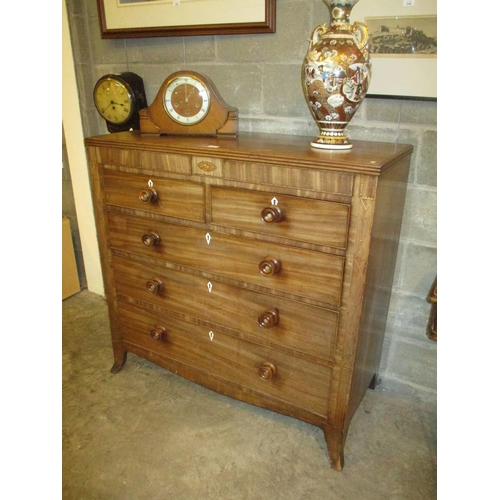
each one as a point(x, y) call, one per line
point(296, 381)
point(304, 273)
point(169, 197)
point(302, 219)
point(271, 319)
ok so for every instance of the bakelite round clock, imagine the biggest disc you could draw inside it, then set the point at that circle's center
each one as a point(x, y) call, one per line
point(118, 99)
point(188, 103)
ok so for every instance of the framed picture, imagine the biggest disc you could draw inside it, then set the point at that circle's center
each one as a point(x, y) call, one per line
point(155, 18)
point(403, 46)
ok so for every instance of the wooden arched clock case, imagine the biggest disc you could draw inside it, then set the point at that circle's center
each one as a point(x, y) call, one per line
point(188, 103)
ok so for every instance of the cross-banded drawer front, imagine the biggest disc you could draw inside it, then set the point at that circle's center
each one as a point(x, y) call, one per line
point(319, 222)
point(170, 197)
point(277, 374)
point(279, 174)
point(131, 158)
point(304, 273)
point(273, 320)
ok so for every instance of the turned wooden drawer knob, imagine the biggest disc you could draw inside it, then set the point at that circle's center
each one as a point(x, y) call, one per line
point(269, 318)
point(269, 267)
point(267, 371)
point(154, 286)
point(158, 333)
point(271, 215)
point(151, 240)
point(148, 195)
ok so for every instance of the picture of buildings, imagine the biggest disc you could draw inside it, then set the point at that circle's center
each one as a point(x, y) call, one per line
point(403, 35)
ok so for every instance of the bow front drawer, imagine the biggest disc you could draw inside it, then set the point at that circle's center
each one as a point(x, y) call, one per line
point(302, 273)
point(272, 319)
point(281, 376)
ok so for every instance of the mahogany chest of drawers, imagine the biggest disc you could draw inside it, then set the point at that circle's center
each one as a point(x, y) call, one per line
point(257, 267)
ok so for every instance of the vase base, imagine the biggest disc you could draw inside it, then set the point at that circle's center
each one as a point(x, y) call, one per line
point(328, 142)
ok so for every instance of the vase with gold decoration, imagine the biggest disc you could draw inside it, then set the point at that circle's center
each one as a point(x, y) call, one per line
point(336, 74)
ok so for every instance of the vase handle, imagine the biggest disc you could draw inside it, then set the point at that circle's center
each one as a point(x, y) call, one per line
point(316, 34)
point(361, 33)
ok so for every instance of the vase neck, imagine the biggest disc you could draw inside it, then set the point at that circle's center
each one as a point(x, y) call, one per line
point(340, 10)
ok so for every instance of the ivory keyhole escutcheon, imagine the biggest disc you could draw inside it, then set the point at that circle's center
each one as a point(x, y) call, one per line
point(272, 214)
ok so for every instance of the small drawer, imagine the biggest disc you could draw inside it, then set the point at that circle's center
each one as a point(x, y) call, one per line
point(131, 158)
point(303, 273)
point(269, 371)
point(182, 199)
point(278, 174)
point(270, 319)
point(302, 219)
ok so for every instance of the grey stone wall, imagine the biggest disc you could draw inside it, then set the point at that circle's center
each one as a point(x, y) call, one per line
point(260, 75)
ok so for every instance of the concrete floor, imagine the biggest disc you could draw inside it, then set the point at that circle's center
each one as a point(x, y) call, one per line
point(148, 434)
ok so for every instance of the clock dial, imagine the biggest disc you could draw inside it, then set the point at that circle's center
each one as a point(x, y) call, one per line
point(113, 100)
point(186, 100)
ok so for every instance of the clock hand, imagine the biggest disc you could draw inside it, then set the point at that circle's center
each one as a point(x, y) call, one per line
point(190, 94)
point(112, 103)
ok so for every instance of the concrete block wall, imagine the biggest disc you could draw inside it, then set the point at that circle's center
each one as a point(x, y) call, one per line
point(260, 75)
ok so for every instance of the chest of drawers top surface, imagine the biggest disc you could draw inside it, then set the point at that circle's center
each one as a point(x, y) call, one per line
point(364, 157)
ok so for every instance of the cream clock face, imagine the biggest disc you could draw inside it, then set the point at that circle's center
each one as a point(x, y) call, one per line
point(113, 100)
point(186, 100)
